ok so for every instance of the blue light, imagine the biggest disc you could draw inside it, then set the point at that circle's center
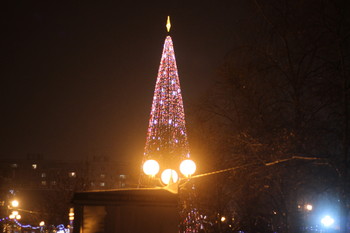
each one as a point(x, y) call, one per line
point(327, 221)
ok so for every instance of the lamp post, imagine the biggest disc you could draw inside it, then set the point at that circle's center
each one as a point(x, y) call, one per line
point(41, 225)
point(168, 176)
point(71, 219)
point(13, 205)
point(15, 215)
point(327, 222)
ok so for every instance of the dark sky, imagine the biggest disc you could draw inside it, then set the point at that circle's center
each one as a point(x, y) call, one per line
point(78, 77)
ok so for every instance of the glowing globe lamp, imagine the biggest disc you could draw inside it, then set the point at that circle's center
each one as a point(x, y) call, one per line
point(151, 167)
point(308, 207)
point(327, 221)
point(169, 175)
point(187, 167)
point(15, 203)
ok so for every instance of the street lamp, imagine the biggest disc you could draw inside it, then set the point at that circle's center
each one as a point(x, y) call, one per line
point(14, 203)
point(41, 225)
point(151, 168)
point(169, 176)
point(15, 215)
point(71, 218)
point(187, 167)
point(308, 207)
point(327, 221)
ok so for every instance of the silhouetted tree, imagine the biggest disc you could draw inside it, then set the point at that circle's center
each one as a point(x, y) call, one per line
point(283, 93)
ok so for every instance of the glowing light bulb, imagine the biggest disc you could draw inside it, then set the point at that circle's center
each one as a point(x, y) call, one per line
point(15, 203)
point(151, 167)
point(308, 207)
point(169, 175)
point(327, 221)
point(187, 167)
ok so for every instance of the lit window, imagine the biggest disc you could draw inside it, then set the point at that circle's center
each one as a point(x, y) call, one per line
point(43, 182)
point(53, 182)
point(43, 174)
point(14, 165)
point(122, 177)
point(72, 174)
point(34, 166)
point(102, 176)
point(92, 184)
point(102, 184)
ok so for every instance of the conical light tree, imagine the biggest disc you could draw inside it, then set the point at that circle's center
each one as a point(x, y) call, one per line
point(166, 137)
point(166, 140)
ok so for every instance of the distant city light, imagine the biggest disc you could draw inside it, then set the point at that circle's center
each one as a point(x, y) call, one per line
point(71, 214)
point(308, 207)
point(15, 203)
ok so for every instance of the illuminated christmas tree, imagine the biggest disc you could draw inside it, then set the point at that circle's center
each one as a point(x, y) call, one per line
point(166, 138)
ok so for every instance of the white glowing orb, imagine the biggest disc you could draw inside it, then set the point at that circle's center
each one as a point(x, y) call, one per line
point(327, 221)
point(187, 167)
point(169, 175)
point(151, 167)
point(308, 207)
point(15, 203)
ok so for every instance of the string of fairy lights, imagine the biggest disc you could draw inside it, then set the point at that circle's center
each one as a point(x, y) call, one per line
point(15, 221)
point(167, 131)
point(28, 226)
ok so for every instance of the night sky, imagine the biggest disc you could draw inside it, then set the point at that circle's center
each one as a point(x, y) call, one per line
point(77, 78)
